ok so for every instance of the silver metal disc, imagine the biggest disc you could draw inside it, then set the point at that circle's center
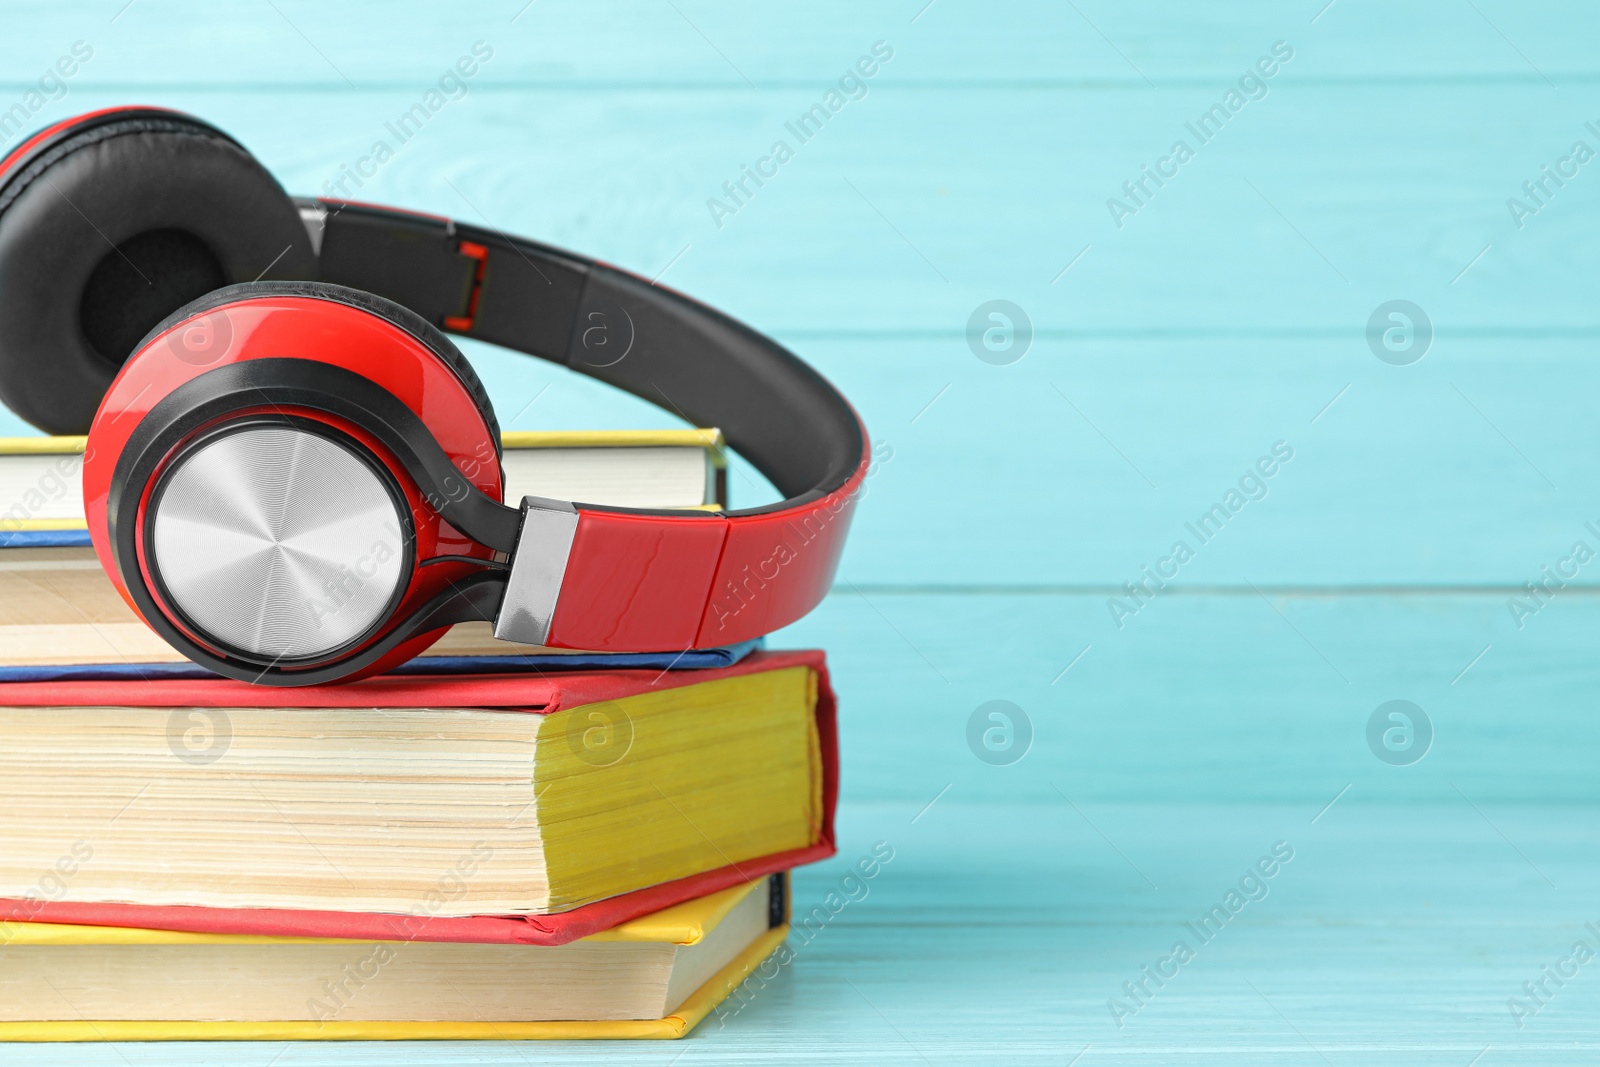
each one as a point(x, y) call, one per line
point(278, 542)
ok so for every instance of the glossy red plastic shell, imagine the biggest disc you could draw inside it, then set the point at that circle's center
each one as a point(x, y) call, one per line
point(312, 329)
point(698, 581)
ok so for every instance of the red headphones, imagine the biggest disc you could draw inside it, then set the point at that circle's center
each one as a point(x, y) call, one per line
point(297, 481)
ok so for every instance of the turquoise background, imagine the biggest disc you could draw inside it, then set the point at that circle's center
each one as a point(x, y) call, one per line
point(1229, 313)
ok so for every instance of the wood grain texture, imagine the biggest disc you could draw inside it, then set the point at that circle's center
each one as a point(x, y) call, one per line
point(1227, 314)
point(1247, 698)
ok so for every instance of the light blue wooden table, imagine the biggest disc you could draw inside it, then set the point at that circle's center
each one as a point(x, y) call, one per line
point(1228, 313)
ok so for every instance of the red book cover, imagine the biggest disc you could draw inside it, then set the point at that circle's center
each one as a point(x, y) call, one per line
point(539, 694)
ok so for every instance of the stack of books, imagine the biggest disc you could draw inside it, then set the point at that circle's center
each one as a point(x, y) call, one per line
point(492, 842)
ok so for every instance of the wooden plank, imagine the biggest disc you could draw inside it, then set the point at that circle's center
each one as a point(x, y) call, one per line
point(1084, 462)
point(1406, 479)
point(1241, 698)
point(914, 226)
point(1100, 44)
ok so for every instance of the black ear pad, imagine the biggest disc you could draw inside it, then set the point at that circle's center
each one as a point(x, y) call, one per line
point(408, 320)
point(109, 226)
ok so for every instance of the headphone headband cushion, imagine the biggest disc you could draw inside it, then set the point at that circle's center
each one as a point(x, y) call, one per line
point(109, 226)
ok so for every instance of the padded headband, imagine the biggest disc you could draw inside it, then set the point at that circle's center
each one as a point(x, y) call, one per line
point(680, 355)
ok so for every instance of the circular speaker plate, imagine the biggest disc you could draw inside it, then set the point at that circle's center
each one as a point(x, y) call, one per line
point(277, 542)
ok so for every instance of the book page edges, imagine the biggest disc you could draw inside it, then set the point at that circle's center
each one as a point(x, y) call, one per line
point(689, 1015)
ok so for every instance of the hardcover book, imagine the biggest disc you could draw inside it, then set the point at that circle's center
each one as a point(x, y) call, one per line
point(485, 809)
point(651, 977)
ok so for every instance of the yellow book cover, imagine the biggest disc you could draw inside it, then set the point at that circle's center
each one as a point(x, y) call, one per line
point(88, 983)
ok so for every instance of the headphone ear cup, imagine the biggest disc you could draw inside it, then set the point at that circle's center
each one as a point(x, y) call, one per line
point(108, 224)
point(431, 336)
